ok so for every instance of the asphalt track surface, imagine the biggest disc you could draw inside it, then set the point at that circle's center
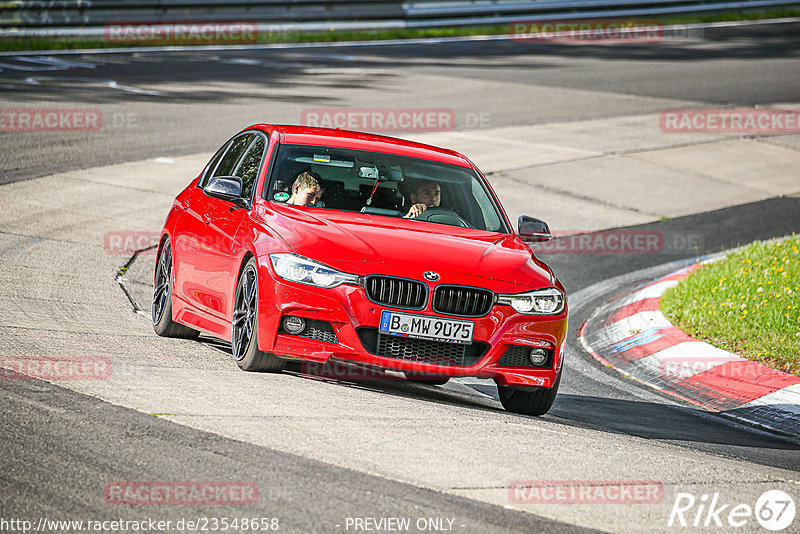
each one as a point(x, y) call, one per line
point(189, 102)
point(58, 446)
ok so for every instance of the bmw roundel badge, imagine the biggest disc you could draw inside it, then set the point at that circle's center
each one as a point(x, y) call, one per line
point(430, 275)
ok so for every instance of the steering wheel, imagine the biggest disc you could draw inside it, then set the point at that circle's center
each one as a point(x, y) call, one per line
point(441, 215)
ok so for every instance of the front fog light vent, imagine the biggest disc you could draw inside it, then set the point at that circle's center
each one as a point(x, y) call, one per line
point(538, 356)
point(294, 325)
point(526, 356)
point(308, 328)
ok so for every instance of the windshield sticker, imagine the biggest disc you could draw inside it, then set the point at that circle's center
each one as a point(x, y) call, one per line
point(318, 160)
point(283, 196)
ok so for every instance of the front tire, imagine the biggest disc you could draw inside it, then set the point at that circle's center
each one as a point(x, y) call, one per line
point(529, 401)
point(244, 329)
point(161, 310)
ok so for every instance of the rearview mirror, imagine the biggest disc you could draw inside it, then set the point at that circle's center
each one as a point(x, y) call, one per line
point(226, 188)
point(395, 175)
point(369, 173)
point(533, 229)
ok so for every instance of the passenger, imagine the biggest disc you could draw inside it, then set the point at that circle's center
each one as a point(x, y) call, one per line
point(306, 190)
point(427, 194)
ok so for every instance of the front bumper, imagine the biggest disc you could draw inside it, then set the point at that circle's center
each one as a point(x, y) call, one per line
point(354, 320)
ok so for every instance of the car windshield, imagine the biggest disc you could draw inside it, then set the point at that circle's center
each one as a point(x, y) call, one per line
point(386, 185)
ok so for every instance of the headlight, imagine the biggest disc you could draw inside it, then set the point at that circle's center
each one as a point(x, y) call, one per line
point(299, 269)
point(548, 301)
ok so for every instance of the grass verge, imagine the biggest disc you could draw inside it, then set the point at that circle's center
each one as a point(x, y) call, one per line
point(747, 303)
point(72, 43)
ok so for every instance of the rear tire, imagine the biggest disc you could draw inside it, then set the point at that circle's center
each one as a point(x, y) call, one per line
point(244, 326)
point(529, 401)
point(161, 309)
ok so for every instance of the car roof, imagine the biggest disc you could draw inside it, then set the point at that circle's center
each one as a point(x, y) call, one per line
point(308, 135)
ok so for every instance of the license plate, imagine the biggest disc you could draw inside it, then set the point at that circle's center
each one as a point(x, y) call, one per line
point(424, 327)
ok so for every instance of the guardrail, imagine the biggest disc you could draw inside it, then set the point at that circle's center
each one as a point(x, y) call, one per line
point(87, 17)
point(100, 12)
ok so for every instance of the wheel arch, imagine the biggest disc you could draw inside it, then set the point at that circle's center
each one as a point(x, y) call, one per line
point(164, 236)
point(245, 258)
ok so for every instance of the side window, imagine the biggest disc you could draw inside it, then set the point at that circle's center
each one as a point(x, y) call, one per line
point(211, 166)
point(248, 168)
point(232, 156)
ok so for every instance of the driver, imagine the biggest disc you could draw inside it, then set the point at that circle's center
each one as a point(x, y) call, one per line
point(427, 194)
point(306, 190)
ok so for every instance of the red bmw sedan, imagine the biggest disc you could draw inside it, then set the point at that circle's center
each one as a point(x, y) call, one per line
point(300, 243)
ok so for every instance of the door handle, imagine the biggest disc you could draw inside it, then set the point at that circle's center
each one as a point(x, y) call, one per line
point(207, 218)
point(185, 204)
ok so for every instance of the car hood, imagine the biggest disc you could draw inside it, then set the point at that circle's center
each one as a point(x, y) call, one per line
point(368, 244)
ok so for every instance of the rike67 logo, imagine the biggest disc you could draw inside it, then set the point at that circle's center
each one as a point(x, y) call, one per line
point(774, 510)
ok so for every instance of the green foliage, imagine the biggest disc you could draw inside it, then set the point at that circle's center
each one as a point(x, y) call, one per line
point(748, 303)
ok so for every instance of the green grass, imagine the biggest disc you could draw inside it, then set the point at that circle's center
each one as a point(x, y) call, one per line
point(748, 304)
point(31, 44)
point(731, 16)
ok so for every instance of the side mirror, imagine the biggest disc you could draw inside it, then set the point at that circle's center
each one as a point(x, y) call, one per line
point(533, 229)
point(226, 188)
